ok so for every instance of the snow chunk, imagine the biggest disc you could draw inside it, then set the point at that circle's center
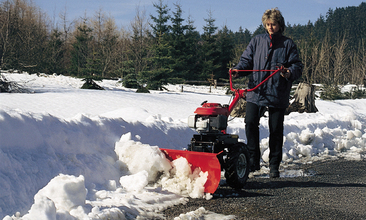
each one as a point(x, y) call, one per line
point(135, 182)
point(184, 181)
point(139, 157)
point(202, 213)
point(61, 197)
point(42, 209)
point(65, 191)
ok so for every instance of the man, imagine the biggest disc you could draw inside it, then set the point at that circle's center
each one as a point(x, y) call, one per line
point(269, 51)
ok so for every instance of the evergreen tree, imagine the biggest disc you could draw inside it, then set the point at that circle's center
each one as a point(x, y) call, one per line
point(241, 41)
point(178, 43)
point(260, 30)
point(160, 26)
point(242, 36)
point(320, 28)
point(80, 53)
point(160, 66)
point(55, 53)
point(225, 42)
point(209, 50)
point(160, 63)
point(192, 37)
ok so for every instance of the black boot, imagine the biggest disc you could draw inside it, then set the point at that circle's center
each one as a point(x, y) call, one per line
point(254, 165)
point(273, 172)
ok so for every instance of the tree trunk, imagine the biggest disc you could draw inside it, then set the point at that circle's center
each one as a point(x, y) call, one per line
point(239, 109)
point(304, 99)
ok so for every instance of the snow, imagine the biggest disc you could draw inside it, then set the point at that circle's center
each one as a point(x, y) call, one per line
point(68, 153)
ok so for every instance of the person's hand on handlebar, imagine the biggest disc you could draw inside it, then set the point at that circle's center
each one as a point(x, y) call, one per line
point(234, 73)
point(286, 73)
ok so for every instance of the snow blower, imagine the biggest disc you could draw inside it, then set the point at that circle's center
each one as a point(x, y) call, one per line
point(212, 149)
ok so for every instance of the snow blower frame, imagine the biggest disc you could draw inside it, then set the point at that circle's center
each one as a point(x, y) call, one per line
point(212, 149)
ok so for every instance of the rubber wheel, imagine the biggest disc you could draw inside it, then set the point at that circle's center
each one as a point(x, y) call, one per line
point(237, 166)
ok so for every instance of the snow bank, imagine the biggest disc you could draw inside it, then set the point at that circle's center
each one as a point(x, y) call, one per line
point(35, 148)
point(40, 150)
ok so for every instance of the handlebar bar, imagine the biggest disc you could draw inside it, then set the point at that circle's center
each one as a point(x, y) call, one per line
point(240, 93)
point(280, 69)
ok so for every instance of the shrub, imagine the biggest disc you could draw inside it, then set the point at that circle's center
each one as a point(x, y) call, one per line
point(130, 81)
point(90, 84)
point(331, 92)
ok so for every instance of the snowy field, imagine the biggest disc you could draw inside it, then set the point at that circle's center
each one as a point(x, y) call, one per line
point(68, 153)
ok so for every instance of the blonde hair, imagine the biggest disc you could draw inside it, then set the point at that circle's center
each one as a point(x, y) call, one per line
point(275, 15)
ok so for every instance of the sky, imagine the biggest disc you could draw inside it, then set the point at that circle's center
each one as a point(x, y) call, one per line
point(233, 13)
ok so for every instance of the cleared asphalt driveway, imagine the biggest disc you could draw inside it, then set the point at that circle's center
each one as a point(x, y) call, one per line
point(337, 190)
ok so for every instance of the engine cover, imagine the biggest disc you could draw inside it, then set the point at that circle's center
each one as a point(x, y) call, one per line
point(212, 109)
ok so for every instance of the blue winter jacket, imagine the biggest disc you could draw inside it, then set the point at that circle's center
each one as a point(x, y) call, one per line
point(261, 55)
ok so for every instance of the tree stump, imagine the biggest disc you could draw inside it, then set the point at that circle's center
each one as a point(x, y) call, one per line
point(239, 109)
point(304, 99)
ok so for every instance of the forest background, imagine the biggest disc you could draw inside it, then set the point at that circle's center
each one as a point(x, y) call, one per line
point(164, 47)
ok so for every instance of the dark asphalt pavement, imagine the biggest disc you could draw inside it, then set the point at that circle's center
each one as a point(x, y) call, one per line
point(337, 190)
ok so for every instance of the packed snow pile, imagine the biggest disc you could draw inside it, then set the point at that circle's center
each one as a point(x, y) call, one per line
point(69, 153)
point(147, 164)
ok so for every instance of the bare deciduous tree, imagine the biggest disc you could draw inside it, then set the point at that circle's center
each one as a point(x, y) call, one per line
point(23, 35)
point(358, 65)
point(105, 41)
point(322, 69)
point(140, 40)
point(340, 62)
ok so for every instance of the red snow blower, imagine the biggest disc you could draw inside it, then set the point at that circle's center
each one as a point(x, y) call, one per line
point(212, 149)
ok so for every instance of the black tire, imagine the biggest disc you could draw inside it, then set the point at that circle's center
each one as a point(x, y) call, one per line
point(237, 166)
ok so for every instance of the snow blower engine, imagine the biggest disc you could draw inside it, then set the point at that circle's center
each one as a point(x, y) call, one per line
point(210, 121)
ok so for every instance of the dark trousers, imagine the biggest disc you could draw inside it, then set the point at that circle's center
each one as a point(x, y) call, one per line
point(275, 121)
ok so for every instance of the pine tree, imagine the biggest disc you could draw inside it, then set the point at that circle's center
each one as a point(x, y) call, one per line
point(160, 66)
point(178, 44)
point(160, 26)
point(260, 30)
point(225, 42)
point(192, 38)
point(81, 51)
point(209, 50)
point(55, 53)
point(160, 63)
